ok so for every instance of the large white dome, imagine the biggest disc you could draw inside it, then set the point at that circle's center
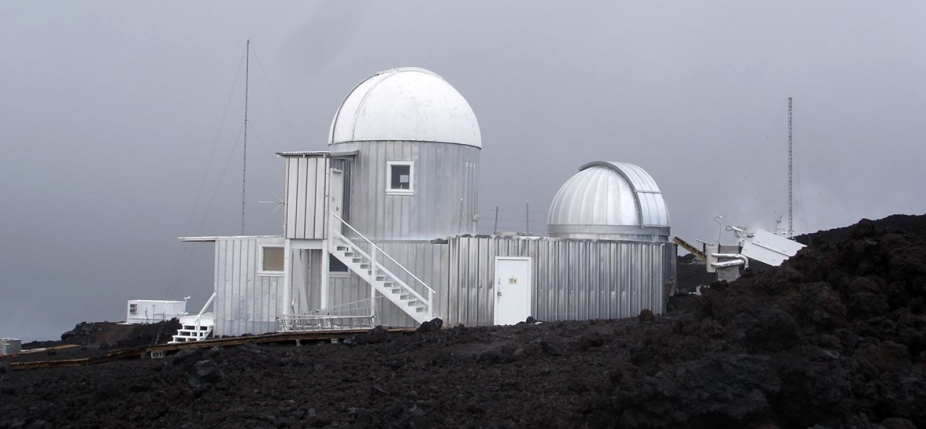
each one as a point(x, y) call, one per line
point(609, 200)
point(407, 104)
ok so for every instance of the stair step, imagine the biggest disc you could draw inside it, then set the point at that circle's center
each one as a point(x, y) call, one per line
point(421, 309)
point(413, 302)
point(342, 248)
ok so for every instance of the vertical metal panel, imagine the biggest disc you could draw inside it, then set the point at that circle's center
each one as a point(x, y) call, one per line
point(289, 195)
point(305, 197)
point(300, 203)
point(249, 254)
point(321, 198)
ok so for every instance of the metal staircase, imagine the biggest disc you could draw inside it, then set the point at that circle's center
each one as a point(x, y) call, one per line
point(369, 266)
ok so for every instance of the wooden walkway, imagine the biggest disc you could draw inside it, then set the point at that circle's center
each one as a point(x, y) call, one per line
point(279, 337)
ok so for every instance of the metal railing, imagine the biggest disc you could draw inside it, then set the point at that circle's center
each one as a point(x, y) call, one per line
point(199, 316)
point(352, 315)
point(374, 251)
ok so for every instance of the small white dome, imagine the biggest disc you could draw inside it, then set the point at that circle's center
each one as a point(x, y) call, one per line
point(609, 200)
point(406, 104)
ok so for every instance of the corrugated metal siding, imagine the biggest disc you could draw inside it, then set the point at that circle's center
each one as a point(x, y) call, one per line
point(305, 200)
point(445, 184)
point(246, 302)
point(573, 279)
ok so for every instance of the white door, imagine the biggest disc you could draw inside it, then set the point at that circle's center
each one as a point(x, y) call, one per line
point(337, 192)
point(512, 289)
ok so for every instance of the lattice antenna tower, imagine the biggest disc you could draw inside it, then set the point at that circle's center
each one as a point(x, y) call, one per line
point(790, 169)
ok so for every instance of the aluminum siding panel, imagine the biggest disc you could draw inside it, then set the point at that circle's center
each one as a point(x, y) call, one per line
point(573, 279)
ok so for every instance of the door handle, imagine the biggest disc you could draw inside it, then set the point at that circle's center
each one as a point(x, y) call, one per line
point(499, 294)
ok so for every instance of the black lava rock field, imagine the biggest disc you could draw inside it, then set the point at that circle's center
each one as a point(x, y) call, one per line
point(835, 338)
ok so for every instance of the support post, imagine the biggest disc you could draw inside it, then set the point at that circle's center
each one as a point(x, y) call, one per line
point(372, 280)
point(372, 263)
point(287, 276)
point(326, 259)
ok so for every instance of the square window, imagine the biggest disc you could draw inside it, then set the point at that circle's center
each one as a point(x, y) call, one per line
point(400, 178)
point(272, 259)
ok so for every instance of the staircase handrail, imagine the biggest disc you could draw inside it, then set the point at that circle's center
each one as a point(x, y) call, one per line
point(384, 254)
point(374, 250)
point(389, 273)
point(200, 315)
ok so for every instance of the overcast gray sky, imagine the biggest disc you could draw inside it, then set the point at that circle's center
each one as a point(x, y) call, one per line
point(109, 113)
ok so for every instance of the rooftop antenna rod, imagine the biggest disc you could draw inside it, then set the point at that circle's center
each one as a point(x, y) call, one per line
point(244, 168)
point(790, 165)
point(495, 231)
point(527, 222)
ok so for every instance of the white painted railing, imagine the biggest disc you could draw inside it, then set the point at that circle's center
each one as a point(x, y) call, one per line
point(374, 265)
point(199, 316)
point(352, 315)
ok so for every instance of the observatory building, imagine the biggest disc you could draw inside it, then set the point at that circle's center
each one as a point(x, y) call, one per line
point(380, 229)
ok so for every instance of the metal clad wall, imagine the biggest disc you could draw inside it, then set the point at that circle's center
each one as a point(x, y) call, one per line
point(445, 184)
point(246, 301)
point(573, 279)
point(306, 186)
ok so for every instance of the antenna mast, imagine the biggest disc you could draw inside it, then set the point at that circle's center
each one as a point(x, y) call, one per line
point(790, 165)
point(244, 168)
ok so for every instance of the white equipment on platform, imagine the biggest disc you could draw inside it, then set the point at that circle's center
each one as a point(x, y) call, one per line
point(762, 246)
point(142, 311)
point(769, 248)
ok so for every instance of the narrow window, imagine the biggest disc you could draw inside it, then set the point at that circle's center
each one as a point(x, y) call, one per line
point(272, 259)
point(335, 265)
point(400, 178)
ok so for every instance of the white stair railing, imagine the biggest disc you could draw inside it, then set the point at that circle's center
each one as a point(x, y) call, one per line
point(200, 315)
point(377, 267)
